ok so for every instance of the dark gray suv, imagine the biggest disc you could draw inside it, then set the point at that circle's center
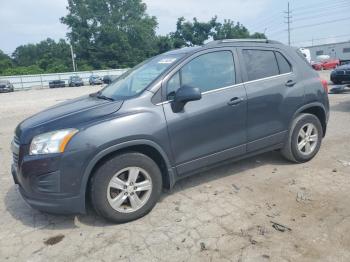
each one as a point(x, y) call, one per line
point(170, 117)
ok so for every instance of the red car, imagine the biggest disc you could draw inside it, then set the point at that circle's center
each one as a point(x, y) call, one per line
point(326, 65)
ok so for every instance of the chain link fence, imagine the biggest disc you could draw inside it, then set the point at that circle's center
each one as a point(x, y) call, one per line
point(22, 82)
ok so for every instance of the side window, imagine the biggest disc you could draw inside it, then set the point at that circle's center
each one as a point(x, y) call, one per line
point(283, 63)
point(260, 64)
point(207, 72)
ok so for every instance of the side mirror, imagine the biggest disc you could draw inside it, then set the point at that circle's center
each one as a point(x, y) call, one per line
point(184, 95)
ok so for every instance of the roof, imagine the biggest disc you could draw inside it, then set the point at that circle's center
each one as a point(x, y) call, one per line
point(187, 50)
point(242, 40)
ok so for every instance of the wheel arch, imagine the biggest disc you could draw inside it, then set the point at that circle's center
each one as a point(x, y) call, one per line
point(316, 109)
point(147, 147)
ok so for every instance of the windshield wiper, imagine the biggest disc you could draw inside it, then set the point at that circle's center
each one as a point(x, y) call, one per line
point(100, 96)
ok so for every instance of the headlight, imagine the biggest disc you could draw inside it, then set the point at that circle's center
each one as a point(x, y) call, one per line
point(52, 142)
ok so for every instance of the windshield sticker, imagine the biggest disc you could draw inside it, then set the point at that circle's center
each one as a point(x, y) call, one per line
point(167, 61)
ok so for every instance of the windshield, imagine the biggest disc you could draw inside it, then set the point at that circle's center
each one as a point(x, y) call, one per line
point(139, 78)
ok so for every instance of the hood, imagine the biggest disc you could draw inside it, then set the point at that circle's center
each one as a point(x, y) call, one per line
point(70, 114)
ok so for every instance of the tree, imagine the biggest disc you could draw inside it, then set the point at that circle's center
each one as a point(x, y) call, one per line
point(111, 33)
point(192, 33)
point(196, 33)
point(5, 62)
point(48, 55)
point(230, 30)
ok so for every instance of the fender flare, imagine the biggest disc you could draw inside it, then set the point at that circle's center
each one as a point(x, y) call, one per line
point(307, 106)
point(114, 148)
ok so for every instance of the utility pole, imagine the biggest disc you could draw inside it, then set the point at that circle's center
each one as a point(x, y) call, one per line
point(288, 17)
point(73, 58)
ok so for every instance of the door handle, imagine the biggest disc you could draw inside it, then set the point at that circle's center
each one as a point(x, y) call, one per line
point(235, 101)
point(290, 83)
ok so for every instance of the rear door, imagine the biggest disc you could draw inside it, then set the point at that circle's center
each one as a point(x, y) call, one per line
point(211, 129)
point(269, 81)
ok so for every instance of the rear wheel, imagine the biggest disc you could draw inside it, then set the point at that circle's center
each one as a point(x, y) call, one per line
point(304, 139)
point(126, 187)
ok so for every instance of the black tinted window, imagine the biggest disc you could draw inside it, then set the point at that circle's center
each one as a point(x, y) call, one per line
point(283, 64)
point(260, 64)
point(207, 72)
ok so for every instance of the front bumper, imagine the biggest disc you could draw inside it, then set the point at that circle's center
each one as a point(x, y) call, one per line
point(50, 183)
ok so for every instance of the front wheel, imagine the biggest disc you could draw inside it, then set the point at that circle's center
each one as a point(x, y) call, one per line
point(126, 187)
point(304, 139)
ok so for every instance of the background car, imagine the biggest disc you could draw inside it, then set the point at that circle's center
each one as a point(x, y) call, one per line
point(6, 86)
point(325, 65)
point(330, 64)
point(57, 83)
point(95, 80)
point(341, 74)
point(316, 65)
point(75, 81)
point(107, 79)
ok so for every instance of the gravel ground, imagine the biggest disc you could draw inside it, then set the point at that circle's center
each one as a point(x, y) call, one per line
point(226, 214)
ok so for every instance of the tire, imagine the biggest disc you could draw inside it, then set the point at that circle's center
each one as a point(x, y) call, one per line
point(103, 193)
point(291, 151)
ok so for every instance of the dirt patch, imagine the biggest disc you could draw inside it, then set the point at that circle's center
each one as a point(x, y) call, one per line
point(54, 240)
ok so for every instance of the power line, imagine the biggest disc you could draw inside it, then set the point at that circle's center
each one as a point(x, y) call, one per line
point(318, 8)
point(319, 4)
point(322, 23)
point(322, 38)
point(320, 14)
point(288, 17)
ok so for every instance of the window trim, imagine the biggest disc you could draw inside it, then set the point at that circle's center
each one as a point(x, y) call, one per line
point(278, 64)
point(177, 68)
point(259, 48)
point(233, 86)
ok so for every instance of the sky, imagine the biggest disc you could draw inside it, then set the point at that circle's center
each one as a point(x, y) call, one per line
point(313, 21)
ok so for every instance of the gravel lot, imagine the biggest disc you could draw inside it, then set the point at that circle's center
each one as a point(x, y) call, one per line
point(225, 214)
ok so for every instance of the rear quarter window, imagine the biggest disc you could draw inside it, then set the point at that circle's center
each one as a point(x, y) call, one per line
point(283, 64)
point(260, 64)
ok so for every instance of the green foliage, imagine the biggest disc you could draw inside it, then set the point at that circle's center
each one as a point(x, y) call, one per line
point(196, 33)
point(5, 62)
point(113, 34)
point(110, 33)
point(23, 70)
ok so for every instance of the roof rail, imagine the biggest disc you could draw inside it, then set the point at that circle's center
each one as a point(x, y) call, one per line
point(251, 40)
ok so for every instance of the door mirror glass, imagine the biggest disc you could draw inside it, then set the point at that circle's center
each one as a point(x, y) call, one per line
point(184, 95)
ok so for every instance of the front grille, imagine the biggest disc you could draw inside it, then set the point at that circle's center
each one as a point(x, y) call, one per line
point(15, 150)
point(16, 140)
point(347, 72)
point(15, 158)
point(340, 72)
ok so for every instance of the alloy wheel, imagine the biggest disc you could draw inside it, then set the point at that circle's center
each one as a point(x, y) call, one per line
point(129, 189)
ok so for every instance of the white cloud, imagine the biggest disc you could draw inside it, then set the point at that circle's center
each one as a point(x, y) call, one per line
point(167, 12)
point(23, 21)
point(30, 21)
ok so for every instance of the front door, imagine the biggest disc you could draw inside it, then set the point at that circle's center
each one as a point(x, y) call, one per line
point(211, 129)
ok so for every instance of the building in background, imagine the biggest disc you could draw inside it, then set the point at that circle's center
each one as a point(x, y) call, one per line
point(339, 51)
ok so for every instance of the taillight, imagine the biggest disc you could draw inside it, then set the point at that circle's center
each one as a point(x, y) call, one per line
point(325, 85)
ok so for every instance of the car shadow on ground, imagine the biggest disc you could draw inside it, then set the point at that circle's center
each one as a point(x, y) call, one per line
point(30, 217)
point(342, 106)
